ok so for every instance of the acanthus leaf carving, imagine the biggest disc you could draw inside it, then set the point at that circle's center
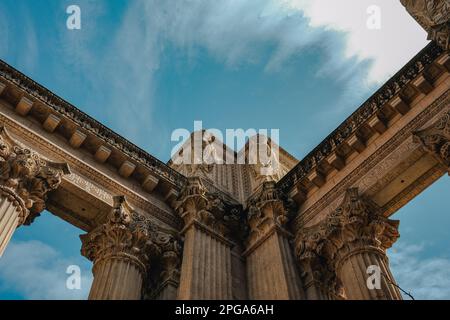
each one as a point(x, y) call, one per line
point(126, 234)
point(436, 139)
point(27, 176)
point(354, 225)
point(197, 204)
point(267, 208)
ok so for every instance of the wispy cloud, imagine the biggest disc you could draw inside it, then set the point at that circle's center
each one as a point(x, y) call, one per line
point(36, 271)
point(425, 278)
point(398, 40)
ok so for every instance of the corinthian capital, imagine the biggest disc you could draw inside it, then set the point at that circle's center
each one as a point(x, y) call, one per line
point(126, 234)
point(354, 225)
point(358, 223)
point(434, 17)
point(436, 139)
point(196, 204)
point(27, 177)
point(267, 208)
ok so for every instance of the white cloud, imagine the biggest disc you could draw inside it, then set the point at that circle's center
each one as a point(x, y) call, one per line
point(36, 271)
point(398, 40)
point(424, 278)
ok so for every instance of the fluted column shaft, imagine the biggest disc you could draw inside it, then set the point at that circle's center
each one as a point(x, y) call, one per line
point(11, 216)
point(117, 278)
point(353, 272)
point(271, 270)
point(206, 266)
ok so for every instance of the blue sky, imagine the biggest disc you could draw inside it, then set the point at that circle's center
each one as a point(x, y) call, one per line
point(145, 68)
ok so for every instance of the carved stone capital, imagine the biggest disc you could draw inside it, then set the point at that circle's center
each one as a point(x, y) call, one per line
point(358, 226)
point(355, 226)
point(197, 205)
point(27, 177)
point(268, 208)
point(436, 139)
point(125, 235)
point(434, 17)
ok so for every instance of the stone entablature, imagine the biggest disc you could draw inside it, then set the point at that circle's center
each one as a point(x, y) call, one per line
point(82, 131)
point(373, 117)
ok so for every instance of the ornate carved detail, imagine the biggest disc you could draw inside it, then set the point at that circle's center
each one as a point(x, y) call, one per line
point(267, 208)
point(126, 235)
point(211, 209)
point(170, 257)
point(433, 16)
point(354, 225)
point(27, 177)
point(436, 139)
point(89, 124)
point(373, 105)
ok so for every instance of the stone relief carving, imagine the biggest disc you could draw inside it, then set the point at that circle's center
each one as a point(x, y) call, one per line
point(27, 176)
point(436, 139)
point(434, 16)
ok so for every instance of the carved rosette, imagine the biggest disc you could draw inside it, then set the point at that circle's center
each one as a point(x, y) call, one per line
point(26, 178)
point(197, 205)
point(436, 140)
point(354, 227)
point(125, 235)
point(268, 208)
point(434, 17)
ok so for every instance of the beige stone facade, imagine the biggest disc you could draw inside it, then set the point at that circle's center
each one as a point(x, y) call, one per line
point(167, 231)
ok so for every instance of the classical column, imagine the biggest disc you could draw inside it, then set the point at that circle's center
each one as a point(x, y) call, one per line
point(206, 266)
point(170, 261)
point(360, 246)
point(436, 140)
point(120, 250)
point(434, 17)
point(25, 180)
point(350, 245)
point(271, 269)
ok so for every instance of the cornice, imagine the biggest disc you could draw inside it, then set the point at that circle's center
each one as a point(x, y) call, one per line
point(359, 118)
point(67, 110)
